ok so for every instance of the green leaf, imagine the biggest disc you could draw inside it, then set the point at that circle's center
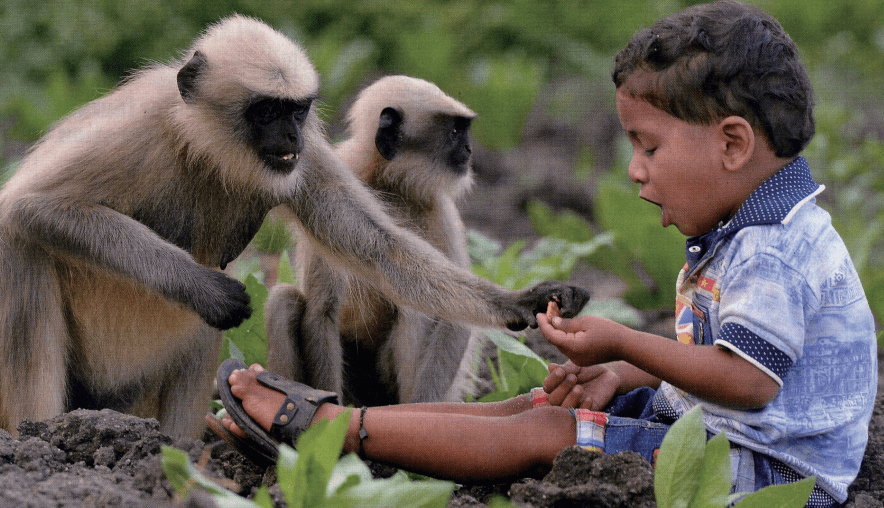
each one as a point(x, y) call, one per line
point(284, 272)
point(518, 368)
point(292, 481)
point(272, 236)
point(347, 473)
point(306, 473)
point(640, 244)
point(511, 345)
point(676, 478)
point(397, 492)
point(249, 337)
point(566, 225)
point(184, 477)
point(531, 375)
point(615, 309)
point(715, 474)
point(262, 498)
point(498, 501)
point(790, 495)
point(480, 247)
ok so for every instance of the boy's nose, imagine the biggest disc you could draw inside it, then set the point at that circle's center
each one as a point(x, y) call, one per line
point(636, 172)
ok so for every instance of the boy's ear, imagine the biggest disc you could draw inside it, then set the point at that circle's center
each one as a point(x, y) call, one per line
point(739, 142)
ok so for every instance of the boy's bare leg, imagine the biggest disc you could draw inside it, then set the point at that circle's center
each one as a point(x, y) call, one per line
point(464, 442)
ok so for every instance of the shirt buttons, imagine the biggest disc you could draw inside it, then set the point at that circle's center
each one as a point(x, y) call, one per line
point(694, 249)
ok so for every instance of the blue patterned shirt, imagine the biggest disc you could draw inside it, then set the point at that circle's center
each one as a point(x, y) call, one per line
point(776, 286)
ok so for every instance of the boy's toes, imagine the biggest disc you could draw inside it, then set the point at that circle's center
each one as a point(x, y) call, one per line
point(230, 425)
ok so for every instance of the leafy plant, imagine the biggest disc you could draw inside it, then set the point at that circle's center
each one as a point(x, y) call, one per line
point(518, 368)
point(517, 267)
point(645, 255)
point(272, 236)
point(694, 473)
point(248, 341)
point(185, 478)
point(316, 476)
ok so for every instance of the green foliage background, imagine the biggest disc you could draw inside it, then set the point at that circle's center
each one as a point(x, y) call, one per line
point(497, 56)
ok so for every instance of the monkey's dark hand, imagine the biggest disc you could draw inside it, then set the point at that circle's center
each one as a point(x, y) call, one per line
point(535, 300)
point(230, 305)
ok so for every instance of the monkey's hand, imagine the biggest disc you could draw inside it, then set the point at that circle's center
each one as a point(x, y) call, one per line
point(225, 302)
point(534, 300)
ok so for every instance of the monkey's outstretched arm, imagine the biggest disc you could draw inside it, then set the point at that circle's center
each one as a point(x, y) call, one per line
point(342, 218)
point(122, 245)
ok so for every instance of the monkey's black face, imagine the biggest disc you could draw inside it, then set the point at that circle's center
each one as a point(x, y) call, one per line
point(275, 131)
point(458, 144)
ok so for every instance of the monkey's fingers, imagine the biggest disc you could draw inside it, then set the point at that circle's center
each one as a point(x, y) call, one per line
point(230, 306)
point(569, 299)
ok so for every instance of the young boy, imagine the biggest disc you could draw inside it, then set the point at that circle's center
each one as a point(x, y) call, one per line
point(776, 341)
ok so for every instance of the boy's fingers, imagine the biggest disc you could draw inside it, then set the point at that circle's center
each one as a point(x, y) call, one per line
point(573, 398)
point(559, 393)
point(587, 403)
point(554, 379)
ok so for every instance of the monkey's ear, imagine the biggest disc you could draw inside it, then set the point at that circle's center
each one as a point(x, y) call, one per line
point(389, 132)
point(188, 75)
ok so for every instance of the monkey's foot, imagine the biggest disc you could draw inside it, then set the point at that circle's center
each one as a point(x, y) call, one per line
point(263, 410)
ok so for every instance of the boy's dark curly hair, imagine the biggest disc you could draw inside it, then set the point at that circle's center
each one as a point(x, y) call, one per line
point(726, 58)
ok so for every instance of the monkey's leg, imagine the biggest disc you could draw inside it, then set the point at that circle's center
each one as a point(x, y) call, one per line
point(321, 345)
point(34, 339)
point(305, 332)
point(433, 359)
point(187, 388)
point(284, 312)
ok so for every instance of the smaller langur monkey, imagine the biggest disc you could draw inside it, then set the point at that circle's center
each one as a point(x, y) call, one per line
point(409, 142)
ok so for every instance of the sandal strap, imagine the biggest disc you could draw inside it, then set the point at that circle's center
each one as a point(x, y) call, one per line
point(297, 411)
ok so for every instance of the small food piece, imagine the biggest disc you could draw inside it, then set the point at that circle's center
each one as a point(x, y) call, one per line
point(552, 310)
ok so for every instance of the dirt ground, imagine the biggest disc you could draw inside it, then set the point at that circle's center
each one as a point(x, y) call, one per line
point(106, 459)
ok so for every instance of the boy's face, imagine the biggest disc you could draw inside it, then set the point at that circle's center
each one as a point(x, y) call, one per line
point(678, 165)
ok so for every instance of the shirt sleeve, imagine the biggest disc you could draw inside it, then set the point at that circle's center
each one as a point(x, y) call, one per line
point(764, 303)
point(755, 350)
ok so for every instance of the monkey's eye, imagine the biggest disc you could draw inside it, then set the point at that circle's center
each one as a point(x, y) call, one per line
point(265, 111)
point(459, 127)
point(301, 109)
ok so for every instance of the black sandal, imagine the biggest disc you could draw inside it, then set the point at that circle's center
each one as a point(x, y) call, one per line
point(293, 417)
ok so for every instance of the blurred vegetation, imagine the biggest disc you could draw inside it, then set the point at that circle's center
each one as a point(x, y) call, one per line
point(496, 56)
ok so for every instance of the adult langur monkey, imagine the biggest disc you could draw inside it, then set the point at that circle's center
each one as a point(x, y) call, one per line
point(114, 227)
point(409, 142)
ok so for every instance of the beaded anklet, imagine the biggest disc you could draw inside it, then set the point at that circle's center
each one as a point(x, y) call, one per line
point(363, 434)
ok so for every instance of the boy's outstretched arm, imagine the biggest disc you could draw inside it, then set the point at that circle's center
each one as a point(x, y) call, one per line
point(709, 372)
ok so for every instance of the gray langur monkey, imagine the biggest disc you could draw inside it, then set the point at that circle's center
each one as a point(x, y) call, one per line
point(409, 142)
point(115, 227)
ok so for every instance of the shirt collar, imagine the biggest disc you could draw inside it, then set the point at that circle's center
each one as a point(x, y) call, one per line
point(774, 202)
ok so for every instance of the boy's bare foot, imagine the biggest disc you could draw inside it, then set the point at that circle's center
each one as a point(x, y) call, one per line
point(262, 403)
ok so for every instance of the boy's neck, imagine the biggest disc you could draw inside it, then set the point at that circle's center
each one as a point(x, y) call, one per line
point(761, 166)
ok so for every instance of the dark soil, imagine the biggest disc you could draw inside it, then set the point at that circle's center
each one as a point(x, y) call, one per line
point(104, 459)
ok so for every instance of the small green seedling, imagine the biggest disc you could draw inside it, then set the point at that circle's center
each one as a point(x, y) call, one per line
point(694, 473)
point(316, 476)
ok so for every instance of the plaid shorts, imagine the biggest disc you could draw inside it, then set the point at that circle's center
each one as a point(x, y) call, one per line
point(590, 424)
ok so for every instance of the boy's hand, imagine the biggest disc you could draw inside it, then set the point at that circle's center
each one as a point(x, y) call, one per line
point(585, 340)
point(581, 387)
